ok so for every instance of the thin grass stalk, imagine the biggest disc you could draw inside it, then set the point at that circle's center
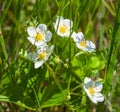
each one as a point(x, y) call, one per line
point(102, 9)
point(114, 38)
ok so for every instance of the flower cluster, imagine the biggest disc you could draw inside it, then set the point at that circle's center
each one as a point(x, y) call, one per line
point(39, 37)
point(63, 27)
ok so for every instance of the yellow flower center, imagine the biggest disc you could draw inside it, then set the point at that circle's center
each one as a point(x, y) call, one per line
point(42, 55)
point(91, 90)
point(83, 44)
point(39, 37)
point(63, 28)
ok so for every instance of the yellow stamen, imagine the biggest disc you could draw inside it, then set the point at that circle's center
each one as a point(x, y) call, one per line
point(42, 55)
point(91, 90)
point(39, 37)
point(83, 44)
point(63, 28)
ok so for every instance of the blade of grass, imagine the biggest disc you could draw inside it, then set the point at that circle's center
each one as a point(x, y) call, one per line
point(54, 77)
point(6, 7)
point(109, 8)
point(19, 8)
point(2, 42)
point(102, 8)
point(112, 55)
point(3, 15)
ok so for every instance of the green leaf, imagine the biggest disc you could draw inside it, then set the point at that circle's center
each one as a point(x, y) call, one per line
point(6, 99)
point(96, 62)
point(52, 96)
point(2, 42)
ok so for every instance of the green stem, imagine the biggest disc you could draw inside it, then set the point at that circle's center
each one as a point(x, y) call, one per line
point(102, 24)
point(76, 88)
point(36, 98)
point(2, 42)
point(54, 77)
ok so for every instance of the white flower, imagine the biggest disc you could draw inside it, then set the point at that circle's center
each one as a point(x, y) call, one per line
point(93, 90)
point(63, 26)
point(39, 35)
point(81, 43)
point(41, 56)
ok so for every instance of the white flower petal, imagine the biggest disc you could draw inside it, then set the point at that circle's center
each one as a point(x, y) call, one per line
point(31, 39)
point(38, 63)
point(68, 22)
point(86, 90)
point(90, 46)
point(59, 17)
point(50, 49)
point(48, 36)
point(80, 35)
point(41, 28)
point(32, 56)
point(42, 47)
point(77, 37)
point(55, 26)
point(66, 34)
point(80, 47)
point(31, 31)
point(92, 98)
point(99, 97)
point(39, 43)
point(58, 22)
point(86, 80)
point(98, 87)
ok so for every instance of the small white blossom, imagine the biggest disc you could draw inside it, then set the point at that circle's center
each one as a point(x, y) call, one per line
point(63, 26)
point(93, 90)
point(81, 43)
point(38, 36)
point(41, 56)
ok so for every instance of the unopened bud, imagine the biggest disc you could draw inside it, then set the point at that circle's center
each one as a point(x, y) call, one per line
point(68, 97)
point(66, 65)
point(57, 59)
